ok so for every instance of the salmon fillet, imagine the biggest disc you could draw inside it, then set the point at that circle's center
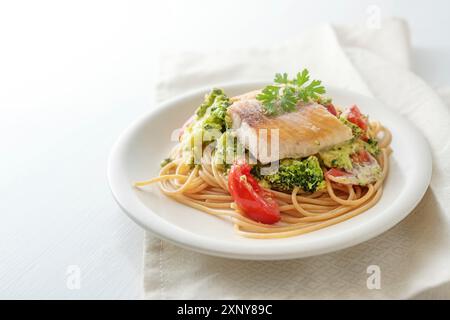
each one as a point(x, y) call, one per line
point(301, 133)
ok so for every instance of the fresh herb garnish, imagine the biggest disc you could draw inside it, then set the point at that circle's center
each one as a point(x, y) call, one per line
point(284, 94)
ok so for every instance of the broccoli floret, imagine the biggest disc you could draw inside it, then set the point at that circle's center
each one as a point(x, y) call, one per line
point(339, 155)
point(213, 111)
point(216, 118)
point(306, 174)
point(371, 146)
point(210, 98)
point(357, 131)
point(208, 125)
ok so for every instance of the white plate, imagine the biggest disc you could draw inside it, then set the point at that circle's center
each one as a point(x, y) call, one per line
point(140, 149)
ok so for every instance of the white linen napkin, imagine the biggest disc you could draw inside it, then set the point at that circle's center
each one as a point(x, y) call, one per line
point(413, 256)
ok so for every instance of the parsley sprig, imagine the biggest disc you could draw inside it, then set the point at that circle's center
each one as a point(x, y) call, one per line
point(284, 94)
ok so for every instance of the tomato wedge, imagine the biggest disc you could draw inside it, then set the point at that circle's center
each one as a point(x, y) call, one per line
point(257, 203)
point(337, 173)
point(331, 109)
point(361, 157)
point(355, 116)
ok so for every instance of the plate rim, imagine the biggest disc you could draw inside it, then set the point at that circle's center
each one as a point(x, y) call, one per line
point(174, 234)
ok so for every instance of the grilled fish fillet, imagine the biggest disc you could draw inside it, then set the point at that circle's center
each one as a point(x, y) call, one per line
point(301, 133)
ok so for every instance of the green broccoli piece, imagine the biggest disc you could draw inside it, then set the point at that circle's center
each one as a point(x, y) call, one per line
point(210, 98)
point(213, 111)
point(339, 156)
point(216, 119)
point(208, 125)
point(306, 174)
point(357, 131)
point(372, 147)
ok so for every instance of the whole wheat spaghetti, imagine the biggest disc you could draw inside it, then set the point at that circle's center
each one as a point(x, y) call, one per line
point(205, 187)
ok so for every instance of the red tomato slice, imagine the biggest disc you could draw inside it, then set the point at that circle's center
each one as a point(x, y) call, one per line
point(355, 116)
point(337, 173)
point(332, 109)
point(364, 137)
point(361, 157)
point(257, 203)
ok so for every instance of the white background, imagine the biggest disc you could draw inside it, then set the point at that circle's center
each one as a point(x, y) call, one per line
point(74, 74)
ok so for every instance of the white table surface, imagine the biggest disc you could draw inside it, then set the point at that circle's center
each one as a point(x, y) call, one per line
point(72, 77)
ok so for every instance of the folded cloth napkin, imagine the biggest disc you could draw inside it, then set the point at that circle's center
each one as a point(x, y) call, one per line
point(413, 257)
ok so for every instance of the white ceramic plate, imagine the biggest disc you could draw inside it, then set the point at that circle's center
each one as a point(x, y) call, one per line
point(140, 149)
